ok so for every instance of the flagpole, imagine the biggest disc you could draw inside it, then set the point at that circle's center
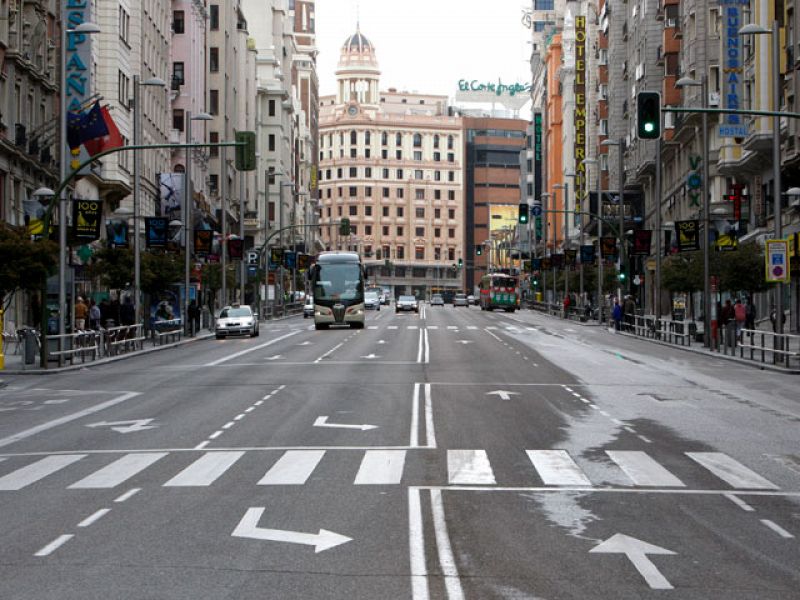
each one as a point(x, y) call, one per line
point(62, 201)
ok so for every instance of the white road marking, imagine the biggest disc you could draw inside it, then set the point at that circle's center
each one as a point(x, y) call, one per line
point(293, 468)
point(202, 445)
point(414, 436)
point(118, 471)
point(646, 440)
point(215, 435)
point(637, 551)
point(205, 470)
point(391, 327)
point(55, 544)
point(259, 402)
point(228, 425)
point(66, 419)
point(59, 401)
point(16, 480)
point(427, 348)
point(569, 389)
point(450, 327)
point(381, 467)
point(128, 495)
point(239, 417)
point(322, 421)
point(433, 327)
point(328, 353)
point(95, 517)
point(419, 347)
point(469, 467)
point(472, 327)
point(249, 409)
point(447, 561)
point(416, 547)
point(430, 434)
point(643, 469)
point(372, 327)
point(739, 502)
point(412, 327)
point(248, 350)
point(777, 529)
point(248, 528)
point(731, 471)
point(556, 467)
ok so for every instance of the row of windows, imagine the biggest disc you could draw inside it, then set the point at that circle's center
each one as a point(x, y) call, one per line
point(385, 252)
point(419, 212)
point(398, 154)
point(352, 172)
point(419, 193)
point(503, 133)
point(416, 139)
point(400, 231)
point(179, 19)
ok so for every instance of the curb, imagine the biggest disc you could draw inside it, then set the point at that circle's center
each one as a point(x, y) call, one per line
point(105, 361)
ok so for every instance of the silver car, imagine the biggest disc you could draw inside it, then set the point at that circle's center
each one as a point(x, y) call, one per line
point(236, 320)
point(372, 301)
point(460, 300)
point(406, 303)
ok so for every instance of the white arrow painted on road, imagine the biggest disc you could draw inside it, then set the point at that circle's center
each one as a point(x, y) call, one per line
point(275, 357)
point(323, 422)
point(504, 395)
point(126, 426)
point(371, 356)
point(464, 341)
point(306, 343)
point(381, 341)
point(637, 551)
point(248, 528)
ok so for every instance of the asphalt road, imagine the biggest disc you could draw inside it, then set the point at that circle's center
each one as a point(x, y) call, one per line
point(451, 454)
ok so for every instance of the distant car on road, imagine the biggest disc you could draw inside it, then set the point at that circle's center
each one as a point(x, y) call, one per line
point(236, 320)
point(406, 303)
point(372, 301)
point(460, 300)
point(437, 300)
point(471, 299)
point(308, 307)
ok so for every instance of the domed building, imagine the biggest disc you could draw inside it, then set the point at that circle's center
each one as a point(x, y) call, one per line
point(392, 163)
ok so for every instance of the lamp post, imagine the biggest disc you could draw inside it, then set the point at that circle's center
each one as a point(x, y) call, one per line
point(620, 144)
point(544, 196)
point(709, 306)
point(594, 162)
point(137, 169)
point(753, 29)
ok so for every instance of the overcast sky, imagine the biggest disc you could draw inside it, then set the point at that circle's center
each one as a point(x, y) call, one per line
point(428, 45)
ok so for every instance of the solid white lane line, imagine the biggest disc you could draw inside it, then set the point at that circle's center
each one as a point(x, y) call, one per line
point(66, 419)
point(731, 471)
point(95, 517)
point(328, 353)
point(381, 467)
point(228, 425)
point(248, 350)
point(127, 495)
point(427, 348)
point(205, 470)
point(446, 559)
point(643, 469)
point(16, 480)
point(413, 440)
point(416, 547)
point(469, 467)
point(118, 471)
point(55, 544)
point(556, 467)
point(293, 468)
point(215, 435)
point(430, 433)
point(202, 445)
point(419, 347)
point(777, 529)
point(739, 502)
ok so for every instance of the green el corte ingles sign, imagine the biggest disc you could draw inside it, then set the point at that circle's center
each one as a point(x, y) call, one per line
point(499, 88)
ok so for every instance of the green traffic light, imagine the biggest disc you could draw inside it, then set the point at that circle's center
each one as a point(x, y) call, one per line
point(649, 127)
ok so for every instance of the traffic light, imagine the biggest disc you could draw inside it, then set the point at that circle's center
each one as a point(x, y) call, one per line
point(460, 262)
point(246, 153)
point(523, 213)
point(344, 226)
point(537, 225)
point(622, 275)
point(478, 250)
point(535, 280)
point(648, 115)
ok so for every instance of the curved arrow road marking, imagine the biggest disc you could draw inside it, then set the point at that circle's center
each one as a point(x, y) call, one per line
point(323, 422)
point(125, 426)
point(504, 394)
point(637, 551)
point(248, 528)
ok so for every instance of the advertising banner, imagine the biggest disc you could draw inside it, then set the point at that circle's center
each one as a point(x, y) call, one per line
point(688, 235)
point(275, 258)
point(557, 260)
point(171, 190)
point(34, 216)
point(203, 239)
point(536, 264)
point(546, 264)
point(86, 218)
point(289, 259)
point(156, 232)
point(303, 261)
point(776, 253)
point(569, 258)
point(117, 233)
point(587, 254)
point(641, 242)
point(503, 216)
point(608, 247)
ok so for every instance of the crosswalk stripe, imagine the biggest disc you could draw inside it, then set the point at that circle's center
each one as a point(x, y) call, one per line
point(293, 468)
point(392, 327)
point(205, 470)
point(372, 327)
point(16, 480)
point(556, 467)
point(452, 327)
point(433, 327)
point(643, 469)
point(411, 327)
point(472, 327)
point(467, 467)
point(381, 467)
point(731, 471)
point(118, 471)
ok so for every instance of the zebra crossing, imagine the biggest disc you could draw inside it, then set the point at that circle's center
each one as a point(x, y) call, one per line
point(548, 467)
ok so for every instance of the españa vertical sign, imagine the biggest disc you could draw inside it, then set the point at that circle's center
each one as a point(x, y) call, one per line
point(580, 113)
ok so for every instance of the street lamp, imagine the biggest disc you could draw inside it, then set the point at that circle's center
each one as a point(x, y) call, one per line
point(545, 196)
point(620, 143)
point(187, 215)
point(754, 29)
point(594, 162)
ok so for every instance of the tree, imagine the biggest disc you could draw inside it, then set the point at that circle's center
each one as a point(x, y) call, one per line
point(212, 280)
point(113, 267)
point(25, 264)
point(160, 271)
point(742, 269)
point(683, 272)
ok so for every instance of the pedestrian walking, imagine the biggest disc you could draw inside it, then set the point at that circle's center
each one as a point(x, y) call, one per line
point(630, 312)
point(616, 314)
point(740, 314)
point(566, 306)
point(127, 314)
point(94, 315)
point(750, 319)
point(726, 314)
point(81, 311)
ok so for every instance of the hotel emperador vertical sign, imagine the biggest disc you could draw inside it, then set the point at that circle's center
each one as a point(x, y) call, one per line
point(580, 113)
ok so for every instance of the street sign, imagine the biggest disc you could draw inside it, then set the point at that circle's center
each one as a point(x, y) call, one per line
point(777, 257)
point(536, 210)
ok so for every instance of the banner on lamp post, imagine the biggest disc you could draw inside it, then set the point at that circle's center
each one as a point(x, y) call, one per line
point(688, 235)
point(156, 232)
point(86, 217)
point(641, 242)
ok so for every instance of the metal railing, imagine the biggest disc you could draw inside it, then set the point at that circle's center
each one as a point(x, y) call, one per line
point(122, 339)
point(167, 336)
point(765, 347)
point(80, 344)
point(665, 330)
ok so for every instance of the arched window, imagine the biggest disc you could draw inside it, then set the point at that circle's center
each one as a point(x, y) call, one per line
point(417, 140)
point(398, 139)
point(384, 138)
point(367, 138)
point(353, 138)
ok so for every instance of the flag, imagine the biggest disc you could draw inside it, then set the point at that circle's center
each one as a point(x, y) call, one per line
point(111, 139)
point(75, 124)
point(82, 127)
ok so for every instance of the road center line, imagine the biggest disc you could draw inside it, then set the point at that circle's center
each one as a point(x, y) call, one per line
point(95, 517)
point(416, 547)
point(329, 352)
point(414, 436)
point(430, 434)
point(446, 559)
point(248, 350)
point(55, 544)
point(228, 425)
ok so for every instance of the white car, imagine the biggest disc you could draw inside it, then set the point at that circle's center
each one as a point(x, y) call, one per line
point(236, 320)
point(372, 301)
point(406, 303)
point(308, 307)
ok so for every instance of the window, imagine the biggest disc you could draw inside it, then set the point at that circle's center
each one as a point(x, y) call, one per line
point(213, 137)
point(419, 194)
point(437, 232)
point(398, 154)
point(417, 155)
point(339, 210)
point(125, 26)
point(603, 58)
point(603, 126)
point(451, 254)
point(399, 192)
point(339, 173)
point(417, 173)
point(123, 89)
point(544, 5)
point(353, 138)
point(213, 59)
point(398, 139)
point(384, 138)
point(353, 211)
point(437, 253)
point(399, 173)
point(340, 191)
point(213, 102)
point(385, 230)
point(417, 140)
point(451, 157)
point(367, 153)
point(401, 252)
point(271, 142)
point(450, 142)
point(367, 229)
point(451, 194)
point(368, 192)
point(437, 175)
point(451, 213)
point(386, 251)
point(327, 174)
point(353, 152)
point(354, 229)
point(368, 172)
point(367, 138)
point(213, 17)
point(385, 192)
point(399, 211)
point(437, 156)
point(420, 212)
point(384, 154)
point(451, 176)
point(213, 183)
point(177, 118)
point(604, 162)
point(419, 252)
point(437, 194)
point(385, 173)
point(400, 231)
point(386, 214)
point(451, 232)
point(352, 191)
point(272, 108)
point(353, 172)
point(436, 141)
point(368, 211)
point(329, 212)
point(437, 213)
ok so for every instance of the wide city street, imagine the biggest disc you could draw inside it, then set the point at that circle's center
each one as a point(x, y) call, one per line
point(453, 453)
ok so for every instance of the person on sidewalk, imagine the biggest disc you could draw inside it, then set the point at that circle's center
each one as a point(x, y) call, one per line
point(726, 314)
point(127, 314)
point(773, 319)
point(194, 317)
point(740, 314)
point(81, 311)
point(94, 315)
point(630, 313)
point(566, 306)
point(616, 314)
point(750, 320)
